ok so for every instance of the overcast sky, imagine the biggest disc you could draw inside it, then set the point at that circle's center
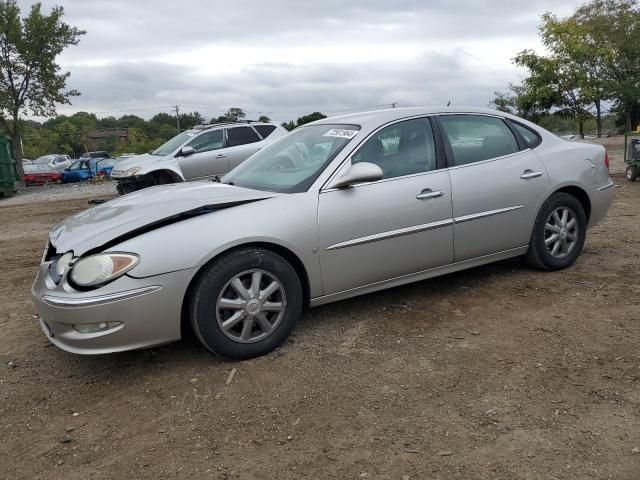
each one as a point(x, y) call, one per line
point(285, 58)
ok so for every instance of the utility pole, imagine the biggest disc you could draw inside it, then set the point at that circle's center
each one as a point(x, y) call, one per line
point(177, 110)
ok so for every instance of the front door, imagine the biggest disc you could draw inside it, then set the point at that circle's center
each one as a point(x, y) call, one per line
point(208, 157)
point(397, 226)
point(496, 182)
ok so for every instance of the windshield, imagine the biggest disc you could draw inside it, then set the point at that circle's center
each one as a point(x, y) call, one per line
point(169, 147)
point(292, 163)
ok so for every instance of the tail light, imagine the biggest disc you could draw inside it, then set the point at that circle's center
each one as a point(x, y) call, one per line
point(606, 159)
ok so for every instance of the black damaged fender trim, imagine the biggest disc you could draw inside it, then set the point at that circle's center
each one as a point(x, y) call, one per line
point(178, 217)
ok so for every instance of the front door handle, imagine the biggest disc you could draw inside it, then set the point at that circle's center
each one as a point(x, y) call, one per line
point(220, 155)
point(427, 193)
point(527, 174)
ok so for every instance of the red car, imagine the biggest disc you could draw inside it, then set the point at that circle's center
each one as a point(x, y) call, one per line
point(40, 174)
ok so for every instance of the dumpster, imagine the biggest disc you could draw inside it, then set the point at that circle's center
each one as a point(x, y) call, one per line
point(7, 167)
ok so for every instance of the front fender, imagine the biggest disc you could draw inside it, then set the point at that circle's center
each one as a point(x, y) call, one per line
point(289, 221)
point(170, 166)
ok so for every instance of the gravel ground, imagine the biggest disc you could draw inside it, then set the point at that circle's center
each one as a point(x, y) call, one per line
point(59, 192)
point(499, 372)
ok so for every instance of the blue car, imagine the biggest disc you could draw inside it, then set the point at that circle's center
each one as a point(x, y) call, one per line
point(88, 168)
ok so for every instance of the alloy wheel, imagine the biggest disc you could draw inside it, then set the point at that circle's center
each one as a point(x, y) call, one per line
point(561, 232)
point(251, 306)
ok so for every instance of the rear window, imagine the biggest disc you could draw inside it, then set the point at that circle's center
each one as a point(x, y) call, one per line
point(530, 137)
point(241, 136)
point(264, 130)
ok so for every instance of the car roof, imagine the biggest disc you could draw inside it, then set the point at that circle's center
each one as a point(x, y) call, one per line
point(241, 123)
point(377, 117)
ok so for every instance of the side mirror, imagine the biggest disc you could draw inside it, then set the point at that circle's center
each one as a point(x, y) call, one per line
point(358, 173)
point(186, 151)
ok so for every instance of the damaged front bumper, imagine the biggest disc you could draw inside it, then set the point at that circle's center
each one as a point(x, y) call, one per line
point(127, 314)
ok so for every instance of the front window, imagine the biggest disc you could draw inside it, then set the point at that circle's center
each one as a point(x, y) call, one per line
point(172, 145)
point(207, 141)
point(404, 148)
point(294, 162)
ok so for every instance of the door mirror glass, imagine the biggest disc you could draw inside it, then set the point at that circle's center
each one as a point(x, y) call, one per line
point(186, 151)
point(358, 173)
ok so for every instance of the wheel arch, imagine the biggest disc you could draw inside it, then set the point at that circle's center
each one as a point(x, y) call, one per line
point(580, 194)
point(291, 257)
point(175, 176)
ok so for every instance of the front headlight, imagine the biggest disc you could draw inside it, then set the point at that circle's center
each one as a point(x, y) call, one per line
point(131, 172)
point(101, 268)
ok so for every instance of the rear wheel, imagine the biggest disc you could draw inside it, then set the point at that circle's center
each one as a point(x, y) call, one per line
point(246, 303)
point(632, 173)
point(558, 234)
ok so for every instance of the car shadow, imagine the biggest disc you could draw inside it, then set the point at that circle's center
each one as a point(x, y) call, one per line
point(187, 353)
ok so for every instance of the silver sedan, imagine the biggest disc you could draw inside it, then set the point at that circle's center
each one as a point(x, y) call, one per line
point(338, 208)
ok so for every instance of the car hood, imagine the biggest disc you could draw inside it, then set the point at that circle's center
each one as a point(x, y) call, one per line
point(131, 215)
point(137, 161)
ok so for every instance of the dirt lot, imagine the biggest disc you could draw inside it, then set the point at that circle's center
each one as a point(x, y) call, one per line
point(500, 372)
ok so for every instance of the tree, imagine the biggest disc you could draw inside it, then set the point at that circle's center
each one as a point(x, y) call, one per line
point(289, 125)
point(613, 27)
point(312, 117)
point(264, 118)
point(519, 101)
point(555, 84)
point(233, 115)
point(572, 43)
point(30, 78)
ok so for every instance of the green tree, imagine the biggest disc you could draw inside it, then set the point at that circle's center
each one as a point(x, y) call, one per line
point(518, 101)
point(312, 117)
point(30, 78)
point(233, 115)
point(555, 84)
point(613, 27)
point(263, 118)
point(573, 44)
point(289, 125)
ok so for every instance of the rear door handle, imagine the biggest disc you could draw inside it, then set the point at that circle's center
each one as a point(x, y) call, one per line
point(220, 155)
point(427, 193)
point(527, 174)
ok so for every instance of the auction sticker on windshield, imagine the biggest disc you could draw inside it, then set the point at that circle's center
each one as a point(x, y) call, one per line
point(339, 132)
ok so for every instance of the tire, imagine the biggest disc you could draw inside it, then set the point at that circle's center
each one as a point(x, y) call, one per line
point(632, 173)
point(542, 244)
point(216, 287)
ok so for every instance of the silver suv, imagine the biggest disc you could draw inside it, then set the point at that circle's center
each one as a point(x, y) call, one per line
point(205, 151)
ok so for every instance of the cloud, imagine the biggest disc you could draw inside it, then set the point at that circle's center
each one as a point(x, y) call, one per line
point(289, 57)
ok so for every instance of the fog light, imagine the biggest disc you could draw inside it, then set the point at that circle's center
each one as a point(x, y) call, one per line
point(95, 327)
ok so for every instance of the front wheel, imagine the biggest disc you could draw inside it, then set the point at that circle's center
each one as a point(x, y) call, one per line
point(558, 234)
point(632, 173)
point(246, 303)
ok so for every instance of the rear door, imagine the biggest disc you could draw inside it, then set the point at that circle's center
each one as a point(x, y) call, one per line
point(242, 142)
point(497, 182)
point(208, 158)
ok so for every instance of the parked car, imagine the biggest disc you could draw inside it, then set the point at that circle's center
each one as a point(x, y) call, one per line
point(88, 168)
point(55, 161)
point(40, 174)
point(337, 208)
point(98, 154)
point(203, 152)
